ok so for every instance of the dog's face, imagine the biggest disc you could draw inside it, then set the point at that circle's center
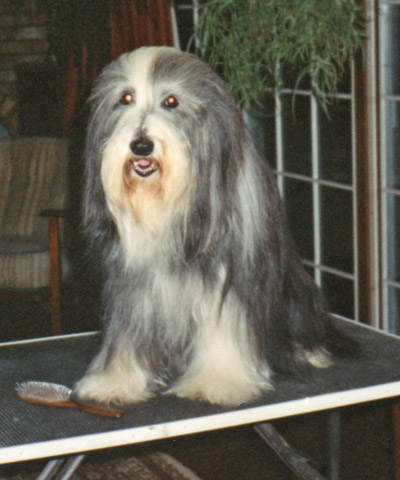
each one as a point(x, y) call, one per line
point(165, 142)
point(145, 168)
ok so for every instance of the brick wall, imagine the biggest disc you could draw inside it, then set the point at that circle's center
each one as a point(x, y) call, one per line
point(23, 39)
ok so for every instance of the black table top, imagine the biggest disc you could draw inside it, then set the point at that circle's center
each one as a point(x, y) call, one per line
point(32, 431)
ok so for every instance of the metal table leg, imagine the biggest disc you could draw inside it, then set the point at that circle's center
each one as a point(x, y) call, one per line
point(293, 460)
point(61, 469)
point(334, 444)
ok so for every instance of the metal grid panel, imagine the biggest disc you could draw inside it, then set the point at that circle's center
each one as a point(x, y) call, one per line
point(317, 264)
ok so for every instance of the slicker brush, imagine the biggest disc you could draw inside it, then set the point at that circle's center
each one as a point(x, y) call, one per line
point(56, 395)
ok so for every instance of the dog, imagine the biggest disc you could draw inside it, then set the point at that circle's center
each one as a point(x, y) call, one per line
point(204, 294)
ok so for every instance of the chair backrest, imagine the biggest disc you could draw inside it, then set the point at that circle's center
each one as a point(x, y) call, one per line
point(33, 178)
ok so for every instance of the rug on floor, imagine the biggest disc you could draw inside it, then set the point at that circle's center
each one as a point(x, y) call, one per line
point(147, 466)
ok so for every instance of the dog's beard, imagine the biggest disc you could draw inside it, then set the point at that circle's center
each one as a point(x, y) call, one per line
point(145, 193)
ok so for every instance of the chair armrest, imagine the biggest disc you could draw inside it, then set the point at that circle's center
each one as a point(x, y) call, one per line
point(55, 266)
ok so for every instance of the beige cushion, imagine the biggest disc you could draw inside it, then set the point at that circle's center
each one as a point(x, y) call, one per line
point(33, 178)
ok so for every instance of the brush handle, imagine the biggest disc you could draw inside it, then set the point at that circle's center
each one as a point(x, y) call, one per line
point(93, 409)
point(97, 410)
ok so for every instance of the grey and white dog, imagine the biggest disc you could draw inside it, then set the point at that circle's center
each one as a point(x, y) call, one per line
point(205, 296)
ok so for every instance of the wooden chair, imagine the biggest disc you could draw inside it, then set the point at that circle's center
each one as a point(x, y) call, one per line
point(33, 197)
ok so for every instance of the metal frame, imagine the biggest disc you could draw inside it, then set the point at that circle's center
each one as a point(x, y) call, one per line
point(385, 190)
point(316, 182)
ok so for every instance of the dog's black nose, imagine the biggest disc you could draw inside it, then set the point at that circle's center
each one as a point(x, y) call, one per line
point(142, 147)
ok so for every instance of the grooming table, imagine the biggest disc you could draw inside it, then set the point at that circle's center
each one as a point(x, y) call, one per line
point(33, 432)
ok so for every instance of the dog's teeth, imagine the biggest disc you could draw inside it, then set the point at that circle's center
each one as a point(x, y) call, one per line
point(144, 166)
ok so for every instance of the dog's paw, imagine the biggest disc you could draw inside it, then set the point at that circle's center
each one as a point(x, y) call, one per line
point(103, 387)
point(226, 391)
point(319, 358)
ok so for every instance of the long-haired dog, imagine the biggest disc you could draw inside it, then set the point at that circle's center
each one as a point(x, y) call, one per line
point(204, 295)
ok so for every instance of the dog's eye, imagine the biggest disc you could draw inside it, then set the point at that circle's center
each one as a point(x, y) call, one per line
point(170, 102)
point(127, 98)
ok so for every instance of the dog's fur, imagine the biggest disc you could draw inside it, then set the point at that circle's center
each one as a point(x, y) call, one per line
point(204, 296)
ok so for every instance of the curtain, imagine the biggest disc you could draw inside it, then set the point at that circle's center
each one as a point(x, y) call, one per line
point(130, 28)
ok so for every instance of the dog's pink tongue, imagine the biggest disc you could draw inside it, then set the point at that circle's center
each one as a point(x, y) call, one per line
point(144, 163)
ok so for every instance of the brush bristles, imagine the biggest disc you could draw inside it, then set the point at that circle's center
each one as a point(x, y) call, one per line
point(45, 392)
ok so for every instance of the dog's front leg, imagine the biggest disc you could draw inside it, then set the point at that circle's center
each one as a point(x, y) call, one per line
point(223, 369)
point(114, 376)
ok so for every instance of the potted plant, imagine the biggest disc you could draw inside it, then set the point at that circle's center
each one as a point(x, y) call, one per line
point(256, 44)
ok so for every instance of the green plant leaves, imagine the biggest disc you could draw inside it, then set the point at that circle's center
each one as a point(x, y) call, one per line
point(251, 43)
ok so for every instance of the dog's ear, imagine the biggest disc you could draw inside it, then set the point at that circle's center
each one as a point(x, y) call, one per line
point(229, 180)
point(97, 221)
point(209, 151)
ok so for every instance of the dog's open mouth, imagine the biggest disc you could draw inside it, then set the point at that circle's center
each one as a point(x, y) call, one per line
point(144, 167)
